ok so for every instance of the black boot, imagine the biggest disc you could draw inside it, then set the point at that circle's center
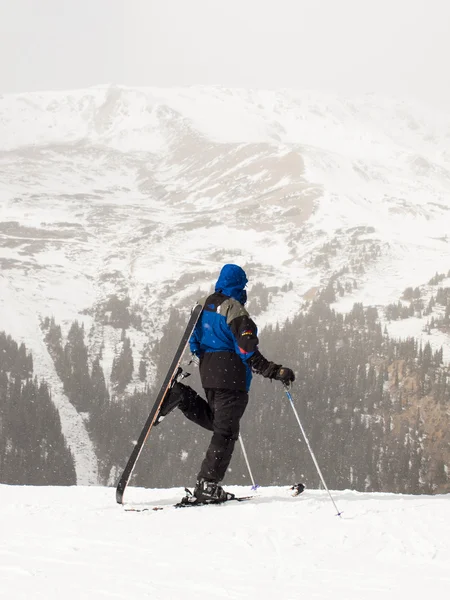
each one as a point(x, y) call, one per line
point(210, 492)
point(174, 398)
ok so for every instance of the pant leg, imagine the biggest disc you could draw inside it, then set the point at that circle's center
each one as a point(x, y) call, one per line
point(195, 408)
point(228, 407)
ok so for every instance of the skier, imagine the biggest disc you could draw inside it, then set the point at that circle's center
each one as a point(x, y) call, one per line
point(225, 341)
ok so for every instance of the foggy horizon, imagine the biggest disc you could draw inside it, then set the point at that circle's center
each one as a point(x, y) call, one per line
point(389, 48)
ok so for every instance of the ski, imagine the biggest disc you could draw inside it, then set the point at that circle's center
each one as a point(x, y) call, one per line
point(189, 500)
point(168, 380)
point(183, 504)
point(191, 503)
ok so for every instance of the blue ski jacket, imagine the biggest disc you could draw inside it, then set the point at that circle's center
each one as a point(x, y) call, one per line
point(225, 338)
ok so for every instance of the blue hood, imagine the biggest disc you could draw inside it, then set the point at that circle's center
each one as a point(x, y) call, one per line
point(232, 281)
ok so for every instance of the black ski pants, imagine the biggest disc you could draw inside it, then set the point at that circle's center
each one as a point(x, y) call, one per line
point(221, 414)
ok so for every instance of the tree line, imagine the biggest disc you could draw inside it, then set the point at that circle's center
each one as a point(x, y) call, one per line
point(32, 447)
point(366, 402)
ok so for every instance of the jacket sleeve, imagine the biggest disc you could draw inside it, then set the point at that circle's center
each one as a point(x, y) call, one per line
point(246, 341)
point(261, 365)
point(245, 335)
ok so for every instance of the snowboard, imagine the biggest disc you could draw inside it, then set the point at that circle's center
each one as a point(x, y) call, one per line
point(154, 413)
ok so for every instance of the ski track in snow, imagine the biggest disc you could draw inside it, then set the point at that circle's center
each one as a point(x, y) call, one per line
point(78, 544)
point(72, 424)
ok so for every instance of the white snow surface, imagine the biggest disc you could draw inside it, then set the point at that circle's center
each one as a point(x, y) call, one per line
point(77, 544)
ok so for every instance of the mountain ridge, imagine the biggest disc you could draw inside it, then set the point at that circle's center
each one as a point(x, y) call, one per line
point(267, 190)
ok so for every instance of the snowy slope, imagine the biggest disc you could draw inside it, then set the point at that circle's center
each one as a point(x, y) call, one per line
point(155, 182)
point(139, 186)
point(147, 192)
point(77, 544)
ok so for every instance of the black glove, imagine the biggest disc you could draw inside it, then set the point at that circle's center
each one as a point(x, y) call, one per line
point(285, 375)
point(269, 369)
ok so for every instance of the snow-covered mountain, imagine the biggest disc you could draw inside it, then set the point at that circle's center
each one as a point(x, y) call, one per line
point(111, 187)
point(145, 193)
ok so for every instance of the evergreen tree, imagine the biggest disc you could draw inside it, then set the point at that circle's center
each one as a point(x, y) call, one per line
point(123, 366)
point(32, 448)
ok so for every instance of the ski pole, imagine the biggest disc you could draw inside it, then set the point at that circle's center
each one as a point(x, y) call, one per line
point(254, 486)
point(288, 394)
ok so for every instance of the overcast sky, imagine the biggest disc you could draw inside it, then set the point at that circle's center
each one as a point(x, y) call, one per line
point(397, 47)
